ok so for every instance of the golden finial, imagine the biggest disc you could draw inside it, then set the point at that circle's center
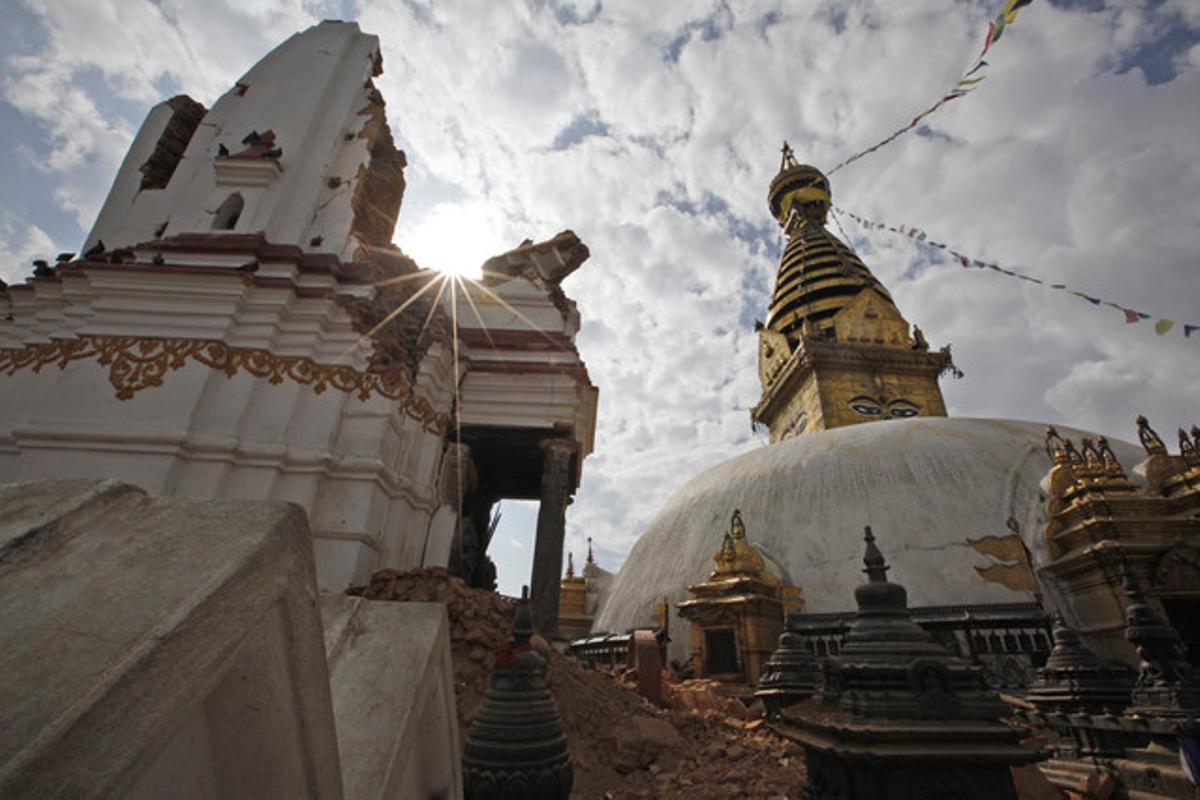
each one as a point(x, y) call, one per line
point(1149, 439)
point(1091, 457)
point(590, 558)
point(1187, 449)
point(570, 564)
point(726, 556)
point(789, 157)
point(1112, 467)
point(737, 528)
point(1054, 445)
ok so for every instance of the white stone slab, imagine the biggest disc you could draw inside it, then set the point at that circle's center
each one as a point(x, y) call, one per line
point(393, 697)
point(159, 647)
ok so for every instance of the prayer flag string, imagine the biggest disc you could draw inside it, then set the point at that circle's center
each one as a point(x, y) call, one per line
point(966, 84)
point(1132, 316)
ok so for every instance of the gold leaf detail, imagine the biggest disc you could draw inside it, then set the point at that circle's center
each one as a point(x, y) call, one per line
point(135, 364)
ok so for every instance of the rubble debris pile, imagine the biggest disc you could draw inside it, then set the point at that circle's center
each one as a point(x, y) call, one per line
point(480, 625)
point(622, 746)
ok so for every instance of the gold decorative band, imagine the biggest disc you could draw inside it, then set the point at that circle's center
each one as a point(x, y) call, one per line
point(136, 363)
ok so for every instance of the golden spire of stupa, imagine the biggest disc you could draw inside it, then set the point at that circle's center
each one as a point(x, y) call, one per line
point(818, 274)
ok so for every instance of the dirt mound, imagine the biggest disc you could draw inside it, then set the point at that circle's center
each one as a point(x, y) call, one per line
point(621, 745)
point(704, 745)
point(480, 622)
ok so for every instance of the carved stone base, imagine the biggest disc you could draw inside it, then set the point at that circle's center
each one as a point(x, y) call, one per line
point(1154, 772)
point(833, 778)
point(789, 676)
point(849, 758)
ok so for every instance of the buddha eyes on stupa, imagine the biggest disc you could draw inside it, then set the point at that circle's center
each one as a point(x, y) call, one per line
point(896, 409)
point(865, 406)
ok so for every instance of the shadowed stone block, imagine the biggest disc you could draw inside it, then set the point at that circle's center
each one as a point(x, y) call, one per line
point(897, 716)
point(393, 698)
point(159, 647)
point(648, 658)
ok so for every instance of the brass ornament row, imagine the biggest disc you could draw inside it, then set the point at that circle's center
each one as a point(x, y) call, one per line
point(137, 363)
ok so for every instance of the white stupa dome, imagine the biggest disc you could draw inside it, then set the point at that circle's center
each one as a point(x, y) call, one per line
point(926, 485)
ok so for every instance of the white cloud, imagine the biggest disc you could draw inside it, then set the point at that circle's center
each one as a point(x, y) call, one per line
point(1066, 161)
point(20, 244)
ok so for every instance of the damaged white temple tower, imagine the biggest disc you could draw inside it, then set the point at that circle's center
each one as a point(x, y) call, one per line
point(229, 334)
point(240, 334)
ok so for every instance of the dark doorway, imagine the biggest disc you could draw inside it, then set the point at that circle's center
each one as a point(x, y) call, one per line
point(1184, 616)
point(720, 651)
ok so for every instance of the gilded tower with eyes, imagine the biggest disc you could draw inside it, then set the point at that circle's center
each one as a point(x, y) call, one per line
point(834, 350)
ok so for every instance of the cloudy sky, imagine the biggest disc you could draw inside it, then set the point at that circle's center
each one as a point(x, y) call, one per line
point(653, 129)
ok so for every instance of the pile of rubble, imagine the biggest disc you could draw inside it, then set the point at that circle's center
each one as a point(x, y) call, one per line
point(704, 744)
point(621, 745)
point(480, 622)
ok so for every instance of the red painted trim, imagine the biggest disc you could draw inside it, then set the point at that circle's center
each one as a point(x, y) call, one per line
point(255, 246)
point(530, 368)
point(508, 339)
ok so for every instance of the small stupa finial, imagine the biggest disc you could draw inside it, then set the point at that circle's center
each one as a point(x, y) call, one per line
point(522, 619)
point(570, 564)
point(1149, 438)
point(789, 157)
point(877, 567)
point(1055, 447)
point(590, 558)
point(737, 528)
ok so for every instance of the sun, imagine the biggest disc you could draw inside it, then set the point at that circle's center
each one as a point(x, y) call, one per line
point(453, 238)
point(459, 269)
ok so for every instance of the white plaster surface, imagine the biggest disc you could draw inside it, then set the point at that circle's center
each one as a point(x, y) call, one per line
point(311, 92)
point(365, 471)
point(393, 698)
point(552, 392)
point(925, 485)
point(159, 647)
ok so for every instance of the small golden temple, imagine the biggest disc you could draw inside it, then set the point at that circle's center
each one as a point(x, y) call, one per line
point(1101, 523)
point(737, 614)
point(573, 619)
point(834, 350)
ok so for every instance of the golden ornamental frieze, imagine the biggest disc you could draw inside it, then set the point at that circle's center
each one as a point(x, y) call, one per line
point(138, 363)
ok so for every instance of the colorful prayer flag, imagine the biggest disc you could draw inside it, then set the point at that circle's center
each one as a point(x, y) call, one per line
point(1161, 327)
point(1007, 16)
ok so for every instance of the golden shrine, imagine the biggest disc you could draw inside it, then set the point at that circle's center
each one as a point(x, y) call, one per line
point(834, 350)
point(1100, 522)
point(573, 619)
point(737, 614)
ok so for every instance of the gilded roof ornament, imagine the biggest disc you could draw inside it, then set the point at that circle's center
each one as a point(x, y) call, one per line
point(1187, 449)
point(1093, 465)
point(737, 557)
point(789, 157)
point(737, 528)
point(1112, 467)
point(1055, 448)
point(1149, 439)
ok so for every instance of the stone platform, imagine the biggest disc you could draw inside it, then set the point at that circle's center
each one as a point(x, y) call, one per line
point(156, 647)
point(166, 647)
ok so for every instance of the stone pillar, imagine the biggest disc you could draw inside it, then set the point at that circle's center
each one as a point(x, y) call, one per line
point(552, 514)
